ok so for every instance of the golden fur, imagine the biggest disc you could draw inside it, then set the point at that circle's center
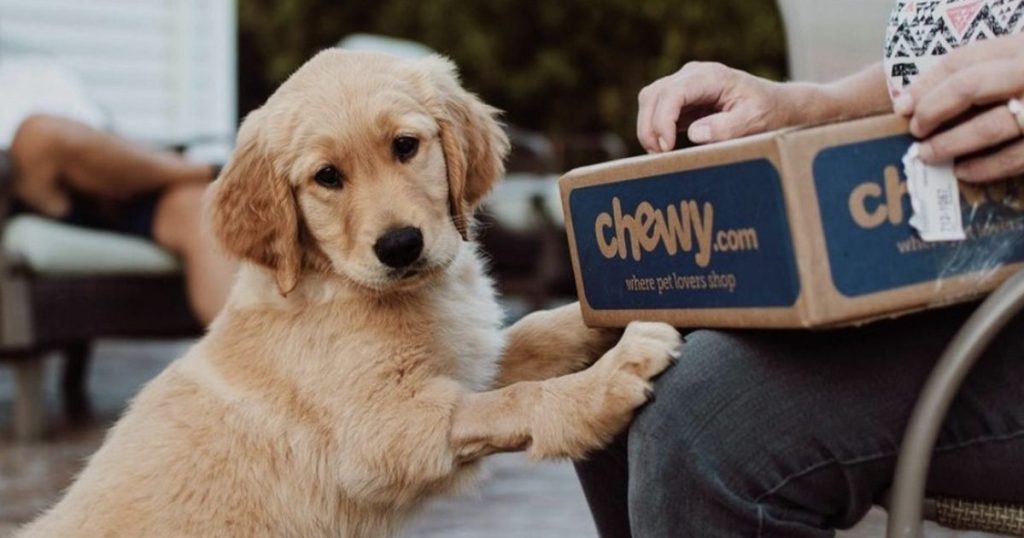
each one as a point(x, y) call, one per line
point(333, 394)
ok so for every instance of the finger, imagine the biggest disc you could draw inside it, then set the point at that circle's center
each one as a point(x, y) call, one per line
point(1007, 162)
point(966, 56)
point(664, 121)
point(986, 130)
point(692, 88)
point(982, 84)
point(686, 93)
point(648, 100)
point(671, 105)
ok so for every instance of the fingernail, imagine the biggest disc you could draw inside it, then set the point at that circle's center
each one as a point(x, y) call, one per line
point(663, 144)
point(926, 152)
point(904, 104)
point(700, 134)
point(915, 128)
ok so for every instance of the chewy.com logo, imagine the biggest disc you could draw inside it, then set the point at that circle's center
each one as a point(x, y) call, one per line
point(684, 227)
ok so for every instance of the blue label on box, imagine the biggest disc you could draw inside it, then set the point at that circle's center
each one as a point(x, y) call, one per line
point(865, 213)
point(710, 238)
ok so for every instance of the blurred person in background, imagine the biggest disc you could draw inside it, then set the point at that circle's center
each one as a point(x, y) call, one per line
point(69, 168)
point(795, 434)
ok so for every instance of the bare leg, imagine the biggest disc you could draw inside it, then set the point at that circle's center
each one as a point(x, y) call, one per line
point(48, 150)
point(177, 226)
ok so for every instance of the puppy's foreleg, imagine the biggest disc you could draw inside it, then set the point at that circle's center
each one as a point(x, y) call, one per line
point(551, 343)
point(566, 416)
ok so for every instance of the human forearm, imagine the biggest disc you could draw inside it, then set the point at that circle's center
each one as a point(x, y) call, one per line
point(858, 95)
point(742, 104)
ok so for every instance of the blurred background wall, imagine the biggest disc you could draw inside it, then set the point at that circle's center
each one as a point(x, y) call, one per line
point(561, 67)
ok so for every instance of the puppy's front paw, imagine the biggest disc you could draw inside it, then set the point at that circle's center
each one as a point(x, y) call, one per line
point(644, 351)
point(601, 400)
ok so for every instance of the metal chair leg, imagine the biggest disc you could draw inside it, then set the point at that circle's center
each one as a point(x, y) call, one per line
point(930, 412)
point(29, 400)
point(73, 380)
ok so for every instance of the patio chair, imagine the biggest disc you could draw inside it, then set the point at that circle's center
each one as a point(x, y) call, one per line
point(165, 75)
point(828, 40)
point(908, 505)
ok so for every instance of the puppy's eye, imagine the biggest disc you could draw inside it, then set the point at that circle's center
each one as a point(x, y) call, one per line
point(329, 177)
point(405, 147)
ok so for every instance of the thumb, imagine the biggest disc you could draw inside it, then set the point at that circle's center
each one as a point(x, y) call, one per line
point(720, 127)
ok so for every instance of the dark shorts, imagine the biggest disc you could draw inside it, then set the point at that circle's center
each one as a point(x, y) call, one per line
point(133, 216)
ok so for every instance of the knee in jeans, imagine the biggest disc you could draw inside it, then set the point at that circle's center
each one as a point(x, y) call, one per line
point(712, 368)
point(704, 416)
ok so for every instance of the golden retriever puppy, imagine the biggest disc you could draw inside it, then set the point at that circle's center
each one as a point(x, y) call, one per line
point(359, 366)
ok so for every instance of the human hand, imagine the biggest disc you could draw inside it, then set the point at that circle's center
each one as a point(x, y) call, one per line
point(712, 103)
point(959, 109)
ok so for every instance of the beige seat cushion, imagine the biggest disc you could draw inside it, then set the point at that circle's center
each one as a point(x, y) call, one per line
point(49, 247)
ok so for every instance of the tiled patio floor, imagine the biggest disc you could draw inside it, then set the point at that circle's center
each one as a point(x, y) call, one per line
point(518, 500)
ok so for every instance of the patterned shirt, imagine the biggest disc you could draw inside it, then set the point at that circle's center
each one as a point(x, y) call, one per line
point(921, 31)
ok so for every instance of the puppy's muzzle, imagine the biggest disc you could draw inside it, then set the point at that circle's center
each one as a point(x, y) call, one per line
point(399, 248)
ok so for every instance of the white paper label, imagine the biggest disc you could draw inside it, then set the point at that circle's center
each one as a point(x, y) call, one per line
point(934, 198)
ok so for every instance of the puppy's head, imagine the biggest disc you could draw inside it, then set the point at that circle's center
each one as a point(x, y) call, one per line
point(362, 165)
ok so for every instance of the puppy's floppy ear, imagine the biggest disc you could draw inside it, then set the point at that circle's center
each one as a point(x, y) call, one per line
point(252, 209)
point(474, 143)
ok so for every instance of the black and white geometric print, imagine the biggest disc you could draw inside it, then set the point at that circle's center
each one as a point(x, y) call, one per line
point(920, 32)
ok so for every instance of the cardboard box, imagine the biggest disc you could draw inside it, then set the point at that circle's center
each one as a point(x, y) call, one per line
point(797, 228)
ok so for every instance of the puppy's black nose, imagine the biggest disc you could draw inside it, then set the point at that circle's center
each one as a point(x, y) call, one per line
point(399, 248)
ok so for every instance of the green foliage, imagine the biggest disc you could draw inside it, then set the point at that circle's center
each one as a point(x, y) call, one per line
point(557, 66)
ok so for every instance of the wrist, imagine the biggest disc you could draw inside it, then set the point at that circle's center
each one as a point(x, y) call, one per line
point(811, 104)
point(859, 95)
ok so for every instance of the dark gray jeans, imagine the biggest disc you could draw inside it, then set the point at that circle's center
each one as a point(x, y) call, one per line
point(794, 434)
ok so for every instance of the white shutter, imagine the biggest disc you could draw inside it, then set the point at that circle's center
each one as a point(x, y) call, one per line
point(829, 39)
point(164, 70)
